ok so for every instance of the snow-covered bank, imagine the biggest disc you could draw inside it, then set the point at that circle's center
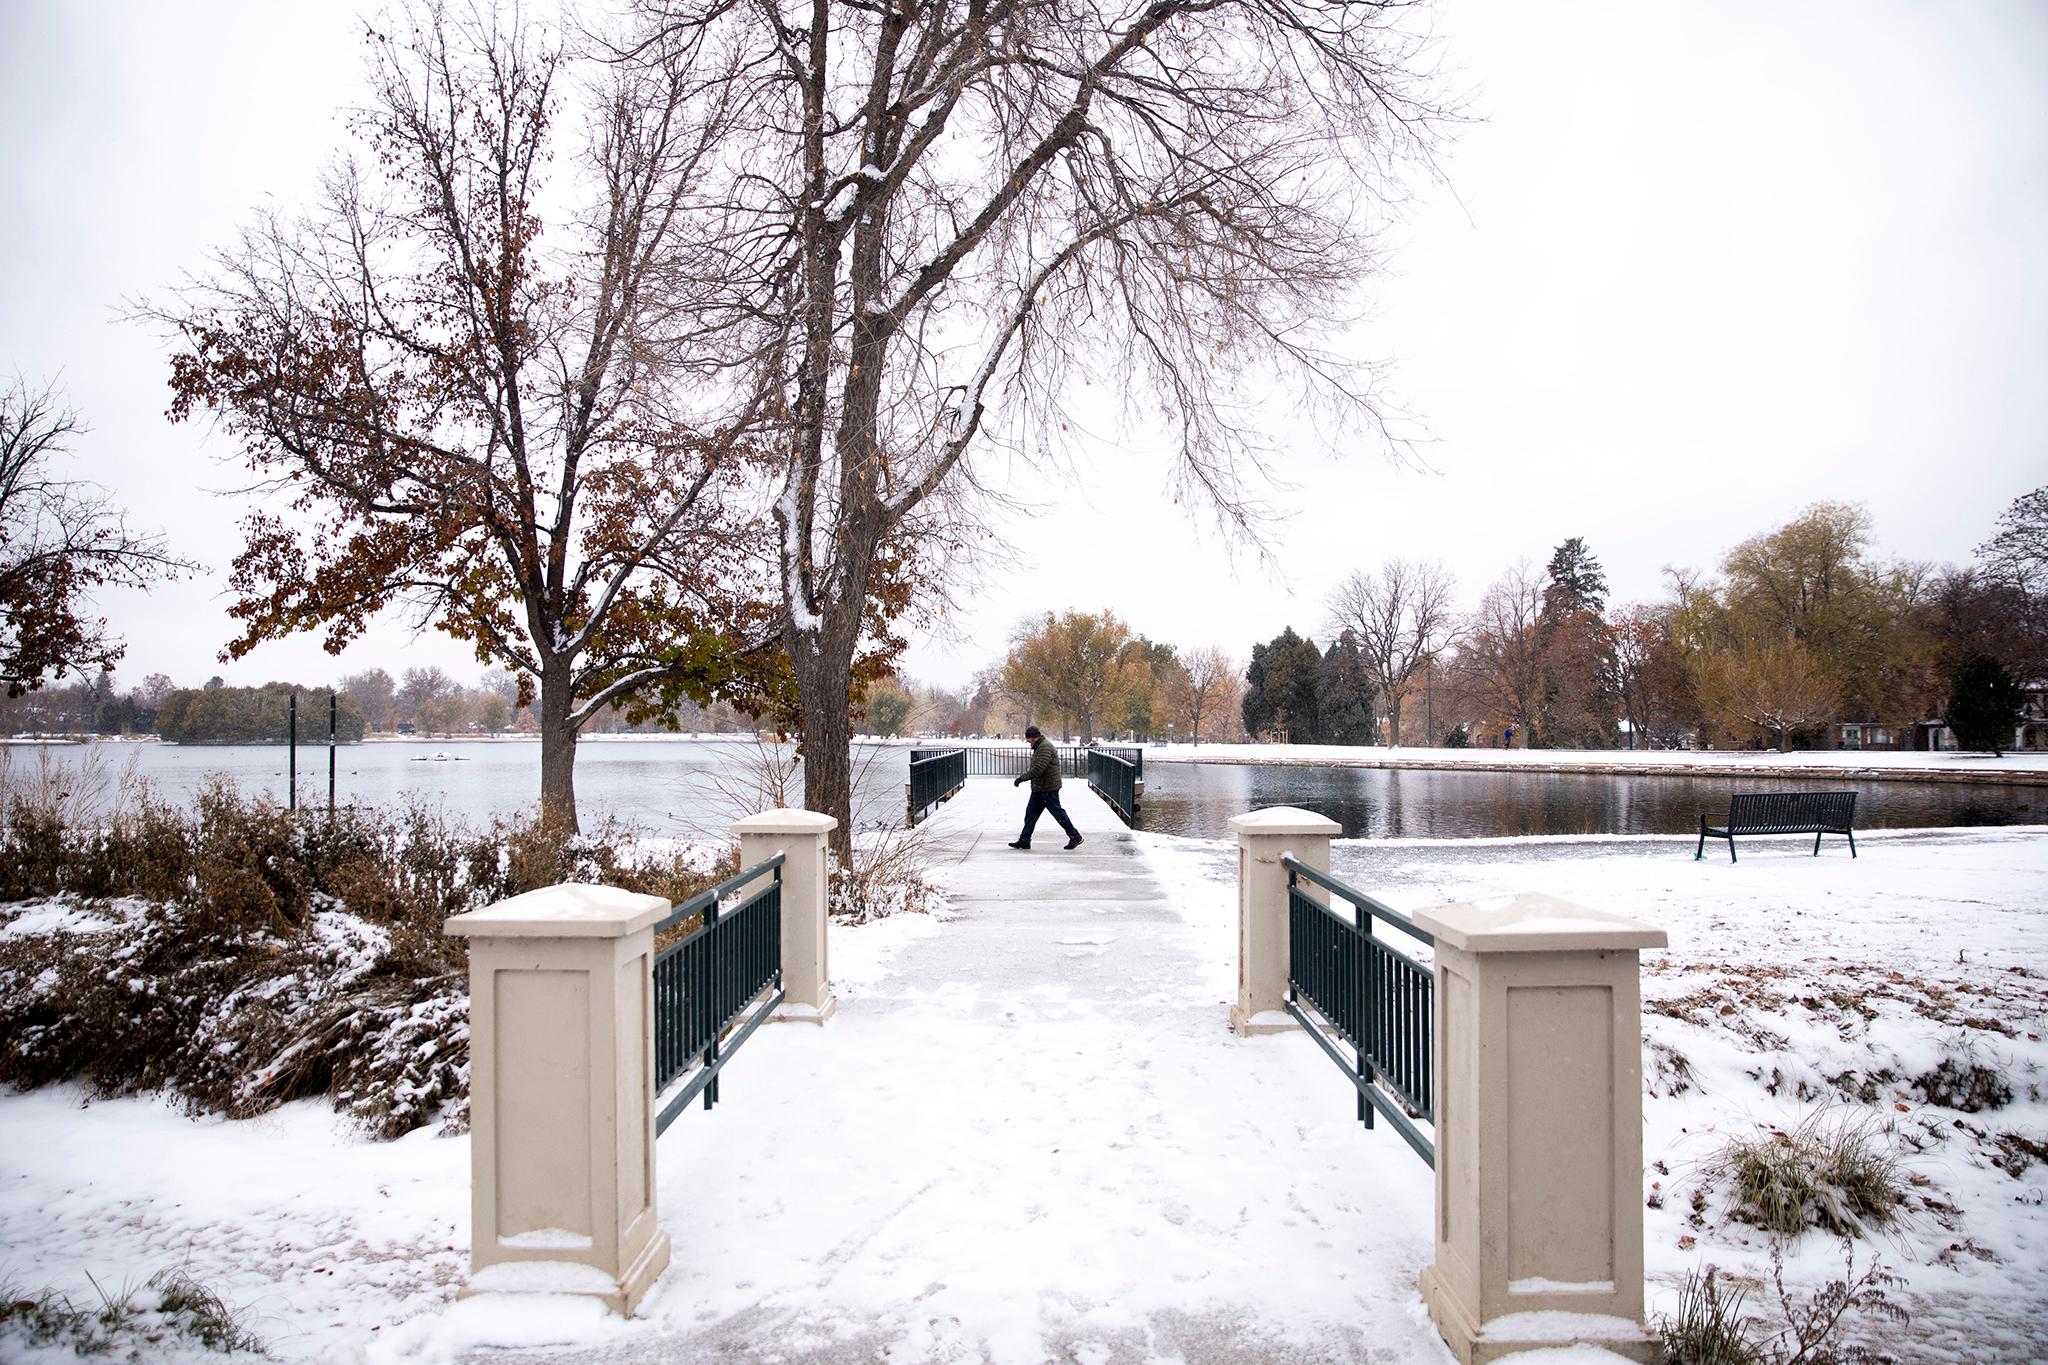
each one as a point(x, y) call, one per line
point(1866, 765)
point(1908, 986)
point(319, 1238)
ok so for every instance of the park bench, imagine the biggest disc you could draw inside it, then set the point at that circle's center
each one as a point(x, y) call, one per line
point(1815, 813)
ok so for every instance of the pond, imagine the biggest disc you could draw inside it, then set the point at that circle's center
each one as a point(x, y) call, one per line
point(696, 787)
point(1198, 799)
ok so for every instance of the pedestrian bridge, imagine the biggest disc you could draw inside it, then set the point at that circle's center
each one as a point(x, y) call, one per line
point(1028, 1132)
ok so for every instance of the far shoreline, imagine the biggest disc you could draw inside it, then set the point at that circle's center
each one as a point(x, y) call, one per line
point(2009, 770)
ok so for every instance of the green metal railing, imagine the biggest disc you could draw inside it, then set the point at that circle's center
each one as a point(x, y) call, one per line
point(704, 981)
point(1115, 779)
point(1010, 760)
point(935, 774)
point(1376, 997)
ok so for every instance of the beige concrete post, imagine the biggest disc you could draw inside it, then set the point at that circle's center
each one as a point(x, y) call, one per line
point(801, 836)
point(1539, 1129)
point(561, 1094)
point(1262, 836)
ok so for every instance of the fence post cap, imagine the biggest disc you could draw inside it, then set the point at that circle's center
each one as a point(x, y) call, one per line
point(1530, 922)
point(571, 910)
point(1284, 820)
point(782, 821)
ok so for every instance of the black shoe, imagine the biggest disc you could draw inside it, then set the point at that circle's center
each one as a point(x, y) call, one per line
point(1019, 843)
point(1074, 842)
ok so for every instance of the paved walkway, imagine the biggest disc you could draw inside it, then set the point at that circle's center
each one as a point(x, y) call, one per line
point(1029, 1135)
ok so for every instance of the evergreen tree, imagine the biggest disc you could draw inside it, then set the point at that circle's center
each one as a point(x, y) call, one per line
point(1344, 700)
point(1577, 582)
point(1256, 707)
point(1984, 704)
point(1281, 686)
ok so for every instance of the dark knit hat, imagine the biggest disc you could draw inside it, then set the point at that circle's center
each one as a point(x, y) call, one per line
point(1031, 732)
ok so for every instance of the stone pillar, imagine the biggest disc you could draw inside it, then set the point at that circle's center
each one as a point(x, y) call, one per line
point(1262, 836)
point(800, 835)
point(561, 1094)
point(1539, 1129)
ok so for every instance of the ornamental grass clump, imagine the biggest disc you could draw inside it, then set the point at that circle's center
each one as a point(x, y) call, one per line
point(1709, 1327)
point(1831, 1171)
point(138, 1323)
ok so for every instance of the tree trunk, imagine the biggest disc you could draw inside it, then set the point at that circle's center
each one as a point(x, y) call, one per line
point(824, 678)
point(1394, 719)
point(557, 748)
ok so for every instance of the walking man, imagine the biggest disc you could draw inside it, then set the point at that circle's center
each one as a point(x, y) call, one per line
point(1044, 775)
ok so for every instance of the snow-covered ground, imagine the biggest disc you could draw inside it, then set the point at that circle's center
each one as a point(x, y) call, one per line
point(1028, 1135)
point(1794, 983)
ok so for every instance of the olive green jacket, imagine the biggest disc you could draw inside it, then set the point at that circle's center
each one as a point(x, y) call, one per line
point(1044, 771)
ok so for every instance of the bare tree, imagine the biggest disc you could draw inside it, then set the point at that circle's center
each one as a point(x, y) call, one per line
point(60, 540)
point(1208, 676)
point(375, 695)
point(2018, 554)
point(1502, 658)
point(1401, 618)
point(935, 215)
point(492, 418)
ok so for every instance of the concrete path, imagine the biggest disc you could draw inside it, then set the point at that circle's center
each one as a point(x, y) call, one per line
point(1028, 1135)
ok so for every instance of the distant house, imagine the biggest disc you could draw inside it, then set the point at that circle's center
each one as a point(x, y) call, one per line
point(2030, 734)
point(1876, 735)
point(2032, 731)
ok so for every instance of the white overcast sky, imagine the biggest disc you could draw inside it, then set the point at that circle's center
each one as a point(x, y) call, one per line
point(1697, 266)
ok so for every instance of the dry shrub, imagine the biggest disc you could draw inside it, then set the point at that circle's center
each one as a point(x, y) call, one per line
point(1827, 1171)
point(1710, 1327)
point(248, 956)
point(1962, 1082)
point(890, 876)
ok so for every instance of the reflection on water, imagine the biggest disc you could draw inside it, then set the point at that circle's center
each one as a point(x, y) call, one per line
point(696, 788)
point(1198, 799)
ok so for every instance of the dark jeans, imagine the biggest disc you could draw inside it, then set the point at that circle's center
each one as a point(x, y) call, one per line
point(1040, 803)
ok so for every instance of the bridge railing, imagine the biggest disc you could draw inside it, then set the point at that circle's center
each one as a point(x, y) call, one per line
point(1518, 1043)
point(935, 774)
point(728, 965)
point(1115, 778)
point(580, 1029)
point(1010, 760)
point(1373, 995)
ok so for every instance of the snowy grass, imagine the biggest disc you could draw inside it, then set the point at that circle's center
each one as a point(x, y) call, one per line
point(169, 1311)
point(1903, 993)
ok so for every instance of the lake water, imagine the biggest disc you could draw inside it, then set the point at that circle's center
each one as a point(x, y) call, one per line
point(1199, 799)
point(695, 788)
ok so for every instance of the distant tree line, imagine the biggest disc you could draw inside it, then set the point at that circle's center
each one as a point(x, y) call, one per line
point(1803, 631)
point(218, 714)
point(1803, 637)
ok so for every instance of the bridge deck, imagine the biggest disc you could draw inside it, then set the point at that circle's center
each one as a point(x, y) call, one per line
point(1028, 1135)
